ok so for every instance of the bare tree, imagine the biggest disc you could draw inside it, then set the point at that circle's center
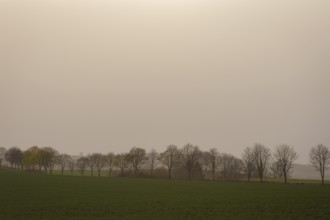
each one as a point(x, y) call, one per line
point(248, 161)
point(2, 154)
point(169, 158)
point(214, 160)
point(109, 159)
point(320, 159)
point(276, 169)
point(152, 157)
point(99, 162)
point(262, 159)
point(204, 163)
point(91, 162)
point(190, 155)
point(230, 166)
point(121, 161)
point(71, 165)
point(285, 156)
point(82, 163)
point(52, 162)
point(137, 157)
point(63, 160)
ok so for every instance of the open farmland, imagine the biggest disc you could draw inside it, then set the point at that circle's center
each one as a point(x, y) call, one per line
point(36, 196)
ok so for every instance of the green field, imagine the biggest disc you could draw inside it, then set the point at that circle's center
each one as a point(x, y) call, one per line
point(34, 196)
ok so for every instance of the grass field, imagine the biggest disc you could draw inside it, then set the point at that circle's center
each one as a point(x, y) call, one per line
point(115, 173)
point(33, 196)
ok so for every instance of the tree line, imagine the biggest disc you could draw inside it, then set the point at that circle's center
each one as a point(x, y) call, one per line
point(187, 162)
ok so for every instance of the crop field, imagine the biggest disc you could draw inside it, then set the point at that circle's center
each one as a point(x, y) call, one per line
point(27, 196)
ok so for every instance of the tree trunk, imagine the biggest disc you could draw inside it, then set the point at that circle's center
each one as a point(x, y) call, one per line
point(213, 173)
point(322, 173)
point(62, 171)
point(99, 171)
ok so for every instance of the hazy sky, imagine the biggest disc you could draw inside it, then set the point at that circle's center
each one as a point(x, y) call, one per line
point(99, 76)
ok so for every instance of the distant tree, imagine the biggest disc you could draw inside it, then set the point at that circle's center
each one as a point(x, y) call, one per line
point(231, 166)
point(2, 154)
point(152, 157)
point(46, 158)
point(14, 156)
point(121, 161)
point(109, 159)
point(204, 163)
point(214, 160)
point(276, 169)
point(52, 162)
point(71, 165)
point(100, 162)
point(63, 160)
point(262, 159)
point(285, 156)
point(248, 161)
point(320, 159)
point(91, 162)
point(81, 164)
point(169, 158)
point(137, 157)
point(49, 158)
point(32, 158)
point(190, 156)
point(24, 161)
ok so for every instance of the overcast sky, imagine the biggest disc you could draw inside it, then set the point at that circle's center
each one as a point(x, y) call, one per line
point(99, 76)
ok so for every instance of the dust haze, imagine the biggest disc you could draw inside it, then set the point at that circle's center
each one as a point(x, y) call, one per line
point(100, 76)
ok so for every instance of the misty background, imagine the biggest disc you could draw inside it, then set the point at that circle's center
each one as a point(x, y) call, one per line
point(100, 76)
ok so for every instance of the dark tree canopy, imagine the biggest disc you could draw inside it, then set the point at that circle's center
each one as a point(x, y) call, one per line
point(14, 156)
